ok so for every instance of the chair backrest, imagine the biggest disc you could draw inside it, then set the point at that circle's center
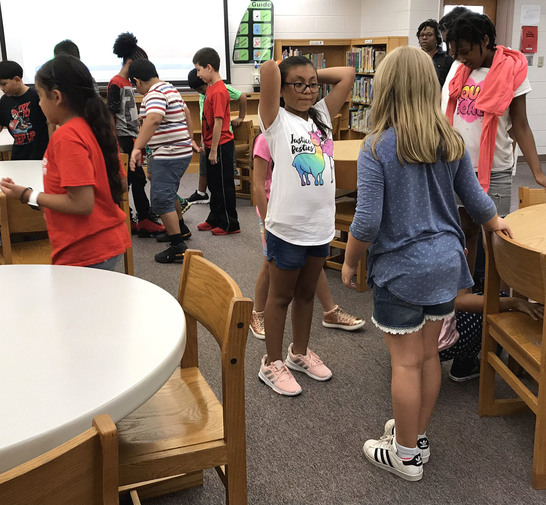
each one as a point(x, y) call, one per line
point(82, 471)
point(128, 255)
point(243, 135)
point(16, 217)
point(208, 295)
point(523, 269)
point(529, 196)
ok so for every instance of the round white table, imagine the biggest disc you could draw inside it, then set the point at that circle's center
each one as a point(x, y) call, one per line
point(76, 342)
point(24, 172)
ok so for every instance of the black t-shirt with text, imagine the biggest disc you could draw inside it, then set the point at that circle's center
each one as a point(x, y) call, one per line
point(27, 124)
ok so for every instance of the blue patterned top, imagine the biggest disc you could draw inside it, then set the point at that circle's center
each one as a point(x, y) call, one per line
point(409, 213)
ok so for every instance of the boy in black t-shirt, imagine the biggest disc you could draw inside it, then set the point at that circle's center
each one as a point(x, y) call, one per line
point(20, 112)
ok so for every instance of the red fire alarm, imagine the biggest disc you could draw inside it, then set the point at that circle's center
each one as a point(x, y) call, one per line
point(529, 39)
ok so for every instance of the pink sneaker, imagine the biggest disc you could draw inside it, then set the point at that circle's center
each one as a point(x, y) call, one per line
point(278, 378)
point(338, 318)
point(309, 364)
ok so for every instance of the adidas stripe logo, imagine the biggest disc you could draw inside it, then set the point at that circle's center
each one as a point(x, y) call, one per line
point(382, 456)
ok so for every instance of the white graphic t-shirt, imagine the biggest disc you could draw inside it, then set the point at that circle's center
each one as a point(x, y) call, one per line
point(301, 208)
point(468, 119)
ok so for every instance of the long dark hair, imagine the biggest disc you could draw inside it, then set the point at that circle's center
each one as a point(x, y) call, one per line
point(300, 61)
point(73, 79)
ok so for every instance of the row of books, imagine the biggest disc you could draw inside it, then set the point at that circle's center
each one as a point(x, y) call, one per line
point(359, 119)
point(362, 90)
point(364, 59)
point(318, 59)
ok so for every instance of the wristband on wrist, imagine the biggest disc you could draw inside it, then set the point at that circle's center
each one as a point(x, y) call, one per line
point(22, 197)
point(33, 199)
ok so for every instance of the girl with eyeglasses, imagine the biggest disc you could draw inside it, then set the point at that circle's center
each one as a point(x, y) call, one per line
point(300, 214)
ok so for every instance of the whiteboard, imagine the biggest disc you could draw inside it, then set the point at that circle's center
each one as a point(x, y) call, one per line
point(170, 32)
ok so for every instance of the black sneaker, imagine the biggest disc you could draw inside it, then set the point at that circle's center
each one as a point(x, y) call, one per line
point(173, 254)
point(164, 237)
point(464, 369)
point(197, 198)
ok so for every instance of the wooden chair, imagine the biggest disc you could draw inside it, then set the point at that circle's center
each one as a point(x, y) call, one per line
point(345, 211)
point(128, 255)
point(336, 123)
point(19, 218)
point(183, 428)
point(521, 337)
point(82, 471)
point(529, 196)
point(244, 140)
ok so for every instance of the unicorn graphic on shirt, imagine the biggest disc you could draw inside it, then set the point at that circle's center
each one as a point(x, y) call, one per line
point(311, 163)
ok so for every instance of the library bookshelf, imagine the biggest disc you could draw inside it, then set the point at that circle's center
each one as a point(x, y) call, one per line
point(363, 53)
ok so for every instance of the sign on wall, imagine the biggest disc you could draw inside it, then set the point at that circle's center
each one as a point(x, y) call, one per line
point(254, 40)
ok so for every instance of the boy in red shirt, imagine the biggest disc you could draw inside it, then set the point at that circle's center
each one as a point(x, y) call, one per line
point(219, 146)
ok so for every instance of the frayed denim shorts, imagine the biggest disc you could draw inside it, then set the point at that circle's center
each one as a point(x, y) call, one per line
point(289, 256)
point(393, 315)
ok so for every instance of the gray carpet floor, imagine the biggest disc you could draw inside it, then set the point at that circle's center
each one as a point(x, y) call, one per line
point(308, 449)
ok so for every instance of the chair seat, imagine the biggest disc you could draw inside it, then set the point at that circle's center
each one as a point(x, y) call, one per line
point(181, 418)
point(31, 252)
point(521, 336)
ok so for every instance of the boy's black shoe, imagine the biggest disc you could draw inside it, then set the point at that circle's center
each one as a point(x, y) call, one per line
point(184, 230)
point(464, 369)
point(173, 254)
point(197, 198)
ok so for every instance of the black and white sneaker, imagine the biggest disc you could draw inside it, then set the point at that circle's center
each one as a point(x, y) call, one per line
point(197, 198)
point(173, 254)
point(422, 443)
point(382, 454)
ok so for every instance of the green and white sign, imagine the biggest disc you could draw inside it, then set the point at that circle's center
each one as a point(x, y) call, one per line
point(254, 41)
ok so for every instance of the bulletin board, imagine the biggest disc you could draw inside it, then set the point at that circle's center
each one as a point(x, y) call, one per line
point(254, 40)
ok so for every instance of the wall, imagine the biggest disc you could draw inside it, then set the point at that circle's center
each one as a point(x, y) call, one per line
point(536, 99)
point(297, 19)
point(396, 17)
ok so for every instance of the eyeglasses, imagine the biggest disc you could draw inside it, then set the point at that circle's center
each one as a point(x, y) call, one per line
point(426, 35)
point(300, 87)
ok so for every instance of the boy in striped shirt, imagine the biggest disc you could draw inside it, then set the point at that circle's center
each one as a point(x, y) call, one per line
point(168, 132)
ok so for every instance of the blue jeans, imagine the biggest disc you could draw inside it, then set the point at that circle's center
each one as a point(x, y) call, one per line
point(289, 256)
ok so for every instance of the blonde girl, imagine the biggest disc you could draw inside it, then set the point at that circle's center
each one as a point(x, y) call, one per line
point(300, 214)
point(412, 164)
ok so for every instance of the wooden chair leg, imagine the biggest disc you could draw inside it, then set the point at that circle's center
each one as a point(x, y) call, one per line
point(236, 488)
point(539, 451)
point(486, 402)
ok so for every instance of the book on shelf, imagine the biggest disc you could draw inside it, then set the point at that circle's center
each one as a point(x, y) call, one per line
point(359, 119)
point(318, 59)
point(363, 90)
point(364, 59)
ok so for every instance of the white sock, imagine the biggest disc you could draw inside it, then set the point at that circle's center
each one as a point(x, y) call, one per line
point(424, 435)
point(405, 453)
point(201, 193)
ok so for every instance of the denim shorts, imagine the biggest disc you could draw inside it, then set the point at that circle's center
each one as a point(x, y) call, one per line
point(393, 315)
point(165, 182)
point(289, 256)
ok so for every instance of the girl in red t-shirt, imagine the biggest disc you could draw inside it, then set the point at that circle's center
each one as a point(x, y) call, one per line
point(83, 176)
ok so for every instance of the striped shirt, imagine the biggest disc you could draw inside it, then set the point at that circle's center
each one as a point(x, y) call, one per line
point(171, 138)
